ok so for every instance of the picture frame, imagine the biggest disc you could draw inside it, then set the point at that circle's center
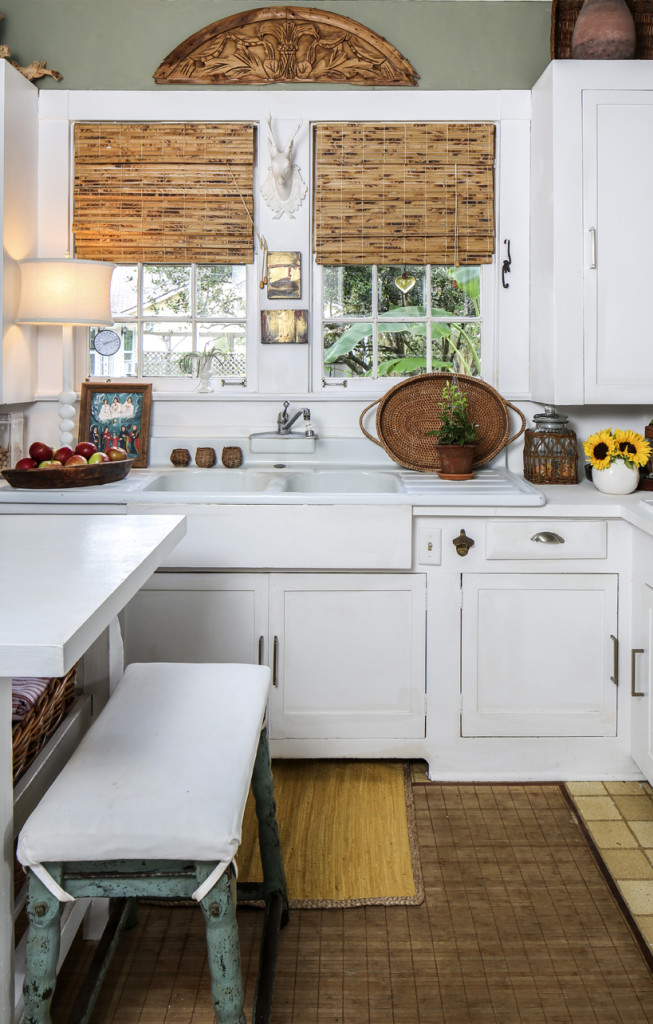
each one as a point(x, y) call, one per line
point(284, 326)
point(284, 275)
point(117, 414)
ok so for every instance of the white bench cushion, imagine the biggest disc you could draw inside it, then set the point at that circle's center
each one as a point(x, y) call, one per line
point(162, 774)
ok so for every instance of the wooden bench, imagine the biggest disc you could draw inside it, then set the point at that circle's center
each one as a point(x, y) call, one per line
point(151, 805)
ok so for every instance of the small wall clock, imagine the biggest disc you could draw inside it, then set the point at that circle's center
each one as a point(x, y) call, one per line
point(106, 343)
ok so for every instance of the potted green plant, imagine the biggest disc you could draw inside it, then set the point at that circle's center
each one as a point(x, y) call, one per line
point(457, 433)
point(203, 369)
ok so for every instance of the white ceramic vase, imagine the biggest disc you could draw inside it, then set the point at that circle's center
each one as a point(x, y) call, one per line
point(618, 478)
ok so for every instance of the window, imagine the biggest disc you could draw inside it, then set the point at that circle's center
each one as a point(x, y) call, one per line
point(164, 311)
point(396, 321)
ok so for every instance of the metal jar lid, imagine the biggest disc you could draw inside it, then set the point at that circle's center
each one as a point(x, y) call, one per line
point(552, 421)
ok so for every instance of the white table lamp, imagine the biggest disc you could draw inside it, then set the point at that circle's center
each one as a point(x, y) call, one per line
point(70, 293)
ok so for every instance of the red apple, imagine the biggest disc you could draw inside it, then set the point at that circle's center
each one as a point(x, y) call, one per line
point(63, 454)
point(97, 457)
point(76, 460)
point(116, 454)
point(26, 464)
point(50, 464)
point(86, 448)
point(40, 452)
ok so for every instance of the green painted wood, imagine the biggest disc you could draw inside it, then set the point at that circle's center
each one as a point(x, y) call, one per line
point(42, 951)
point(223, 948)
point(274, 879)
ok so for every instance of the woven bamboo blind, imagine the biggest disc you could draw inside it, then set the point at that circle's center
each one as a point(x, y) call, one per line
point(164, 193)
point(404, 193)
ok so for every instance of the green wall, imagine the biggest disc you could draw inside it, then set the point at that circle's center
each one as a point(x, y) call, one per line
point(118, 44)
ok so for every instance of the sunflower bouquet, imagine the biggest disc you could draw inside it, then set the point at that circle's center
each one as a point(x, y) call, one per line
point(606, 446)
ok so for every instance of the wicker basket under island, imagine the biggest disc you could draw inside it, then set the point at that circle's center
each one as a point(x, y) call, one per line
point(45, 714)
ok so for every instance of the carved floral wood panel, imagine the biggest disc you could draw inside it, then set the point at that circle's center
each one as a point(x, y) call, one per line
point(285, 44)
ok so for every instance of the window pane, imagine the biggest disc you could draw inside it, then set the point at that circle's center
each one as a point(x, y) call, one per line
point(347, 350)
point(402, 288)
point(457, 347)
point(347, 291)
point(125, 361)
point(124, 290)
point(456, 291)
point(230, 341)
point(163, 343)
point(166, 290)
point(221, 291)
point(402, 349)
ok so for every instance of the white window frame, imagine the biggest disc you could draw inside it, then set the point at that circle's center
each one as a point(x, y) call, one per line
point(370, 385)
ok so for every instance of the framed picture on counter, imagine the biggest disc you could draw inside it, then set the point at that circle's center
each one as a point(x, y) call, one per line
point(117, 414)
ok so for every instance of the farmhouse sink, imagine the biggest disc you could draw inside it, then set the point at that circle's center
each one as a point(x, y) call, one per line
point(343, 481)
point(214, 481)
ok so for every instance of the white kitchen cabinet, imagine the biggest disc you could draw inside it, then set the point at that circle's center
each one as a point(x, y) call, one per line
point(592, 217)
point(539, 654)
point(18, 181)
point(641, 655)
point(347, 649)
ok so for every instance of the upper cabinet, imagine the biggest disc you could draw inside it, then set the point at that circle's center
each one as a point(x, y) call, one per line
point(18, 178)
point(591, 221)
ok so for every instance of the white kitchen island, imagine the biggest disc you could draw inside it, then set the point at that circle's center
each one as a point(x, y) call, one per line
point(64, 579)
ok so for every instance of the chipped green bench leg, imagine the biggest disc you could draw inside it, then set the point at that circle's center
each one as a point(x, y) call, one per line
point(223, 949)
point(43, 912)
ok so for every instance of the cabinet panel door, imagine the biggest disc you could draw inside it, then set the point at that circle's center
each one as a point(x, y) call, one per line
point(350, 655)
point(197, 617)
point(537, 655)
point(618, 222)
point(642, 681)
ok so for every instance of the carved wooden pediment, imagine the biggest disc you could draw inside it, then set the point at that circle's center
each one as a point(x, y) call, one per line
point(285, 44)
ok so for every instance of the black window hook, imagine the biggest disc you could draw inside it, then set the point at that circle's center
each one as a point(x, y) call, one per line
point(505, 267)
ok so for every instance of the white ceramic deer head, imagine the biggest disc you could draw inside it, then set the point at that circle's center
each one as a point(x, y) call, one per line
point(283, 188)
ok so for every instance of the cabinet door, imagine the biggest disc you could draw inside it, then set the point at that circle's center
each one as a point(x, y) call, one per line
point(198, 617)
point(537, 655)
point(618, 227)
point(350, 655)
point(641, 680)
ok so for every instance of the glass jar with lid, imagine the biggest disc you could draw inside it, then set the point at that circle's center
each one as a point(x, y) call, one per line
point(550, 449)
point(11, 439)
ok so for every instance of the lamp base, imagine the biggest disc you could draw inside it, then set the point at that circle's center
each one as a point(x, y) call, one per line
point(66, 417)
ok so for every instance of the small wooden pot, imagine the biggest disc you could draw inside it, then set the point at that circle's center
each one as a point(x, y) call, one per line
point(205, 457)
point(232, 457)
point(456, 461)
point(180, 457)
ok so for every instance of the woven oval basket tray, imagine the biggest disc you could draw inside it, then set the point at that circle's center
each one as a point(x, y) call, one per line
point(411, 408)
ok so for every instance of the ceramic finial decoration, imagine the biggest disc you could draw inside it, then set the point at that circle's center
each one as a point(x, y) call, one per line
point(604, 30)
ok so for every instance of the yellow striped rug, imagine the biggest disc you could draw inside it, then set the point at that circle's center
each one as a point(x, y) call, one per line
point(347, 833)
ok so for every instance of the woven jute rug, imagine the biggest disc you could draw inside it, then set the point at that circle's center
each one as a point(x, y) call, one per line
point(348, 834)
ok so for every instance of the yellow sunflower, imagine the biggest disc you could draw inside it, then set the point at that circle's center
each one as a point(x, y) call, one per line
point(632, 447)
point(600, 449)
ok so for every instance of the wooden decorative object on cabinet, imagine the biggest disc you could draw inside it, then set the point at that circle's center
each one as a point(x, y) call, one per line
point(285, 44)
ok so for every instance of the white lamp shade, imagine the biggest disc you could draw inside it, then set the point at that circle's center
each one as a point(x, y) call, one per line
point(65, 291)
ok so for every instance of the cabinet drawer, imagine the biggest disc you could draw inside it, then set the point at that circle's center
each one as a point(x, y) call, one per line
point(546, 539)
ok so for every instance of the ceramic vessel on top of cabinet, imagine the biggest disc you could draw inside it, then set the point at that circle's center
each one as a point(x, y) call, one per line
point(591, 225)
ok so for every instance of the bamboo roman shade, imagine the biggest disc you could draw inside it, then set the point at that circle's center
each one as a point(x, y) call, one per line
point(404, 193)
point(164, 193)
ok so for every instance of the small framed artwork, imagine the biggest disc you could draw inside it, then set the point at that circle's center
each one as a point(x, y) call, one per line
point(284, 275)
point(117, 415)
point(283, 326)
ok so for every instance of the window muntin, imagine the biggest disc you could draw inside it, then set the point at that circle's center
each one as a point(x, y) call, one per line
point(162, 311)
point(397, 321)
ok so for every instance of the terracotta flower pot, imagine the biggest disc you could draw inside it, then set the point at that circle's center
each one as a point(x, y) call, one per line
point(604, 30)
point(456, 459)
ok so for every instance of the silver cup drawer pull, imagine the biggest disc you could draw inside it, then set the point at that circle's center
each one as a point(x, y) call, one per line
point(545, 537)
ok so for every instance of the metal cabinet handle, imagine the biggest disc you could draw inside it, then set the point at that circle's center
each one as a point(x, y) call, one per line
point(275, 659)
point(545, 537)
point(614, 678)
point(260, 650)
point(633, 671)
point(593, 248)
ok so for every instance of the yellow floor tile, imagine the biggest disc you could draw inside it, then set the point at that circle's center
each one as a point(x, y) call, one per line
point(645, 924)
point(638, 896)
point(599, 808)
point(635, 808)
point(612, 835)
point(628, 864)
point(636, 788)
point(586, 788)
point(644, 833)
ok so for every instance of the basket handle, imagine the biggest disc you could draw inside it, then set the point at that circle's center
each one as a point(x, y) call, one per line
point(360, 422)
point(523, 423)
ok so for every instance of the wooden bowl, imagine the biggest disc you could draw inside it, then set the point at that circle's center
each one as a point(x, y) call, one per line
point(76, 476)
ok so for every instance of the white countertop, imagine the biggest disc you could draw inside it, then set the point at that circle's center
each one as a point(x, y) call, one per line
point(65, 577)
